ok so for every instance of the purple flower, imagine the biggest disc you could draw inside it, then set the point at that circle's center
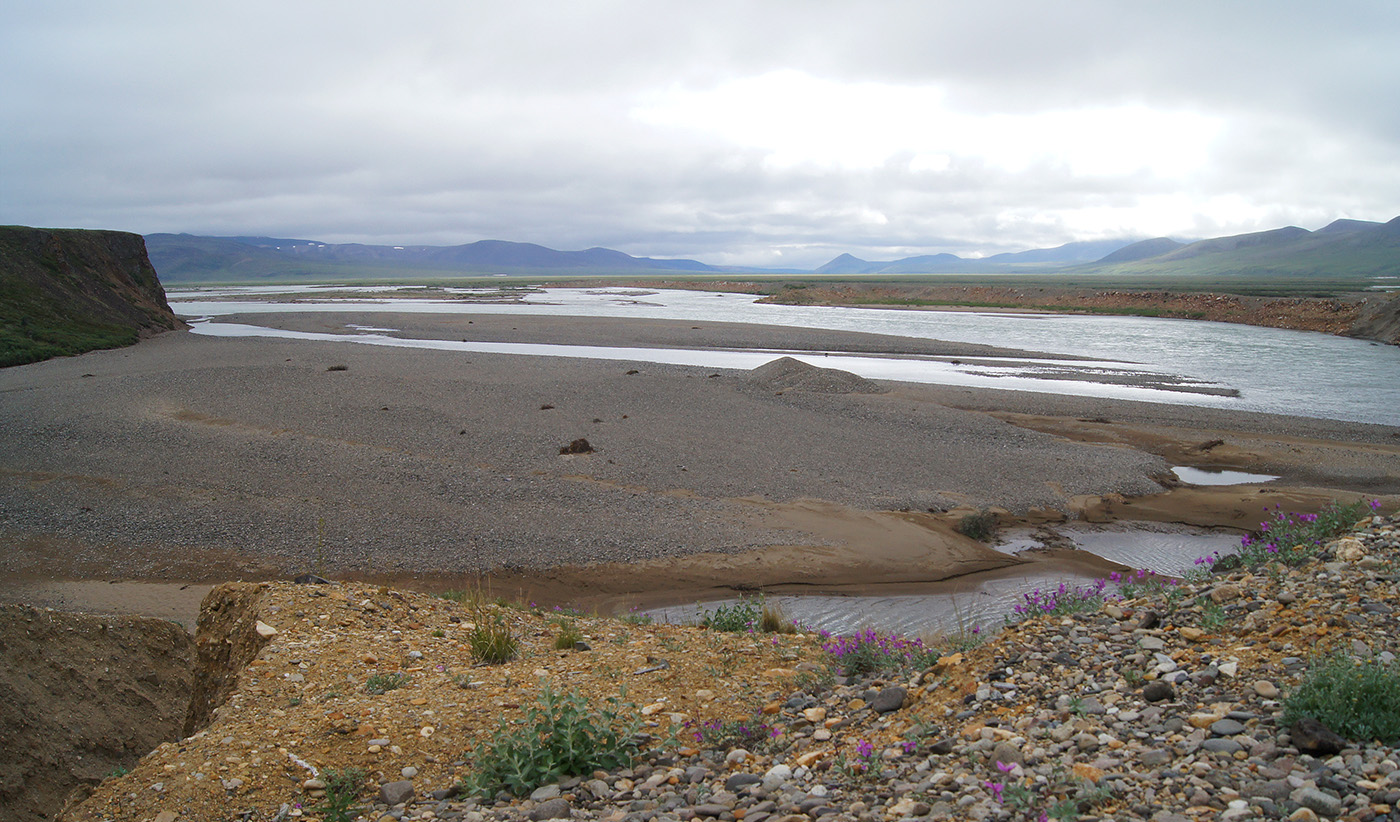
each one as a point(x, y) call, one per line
point(864, 749)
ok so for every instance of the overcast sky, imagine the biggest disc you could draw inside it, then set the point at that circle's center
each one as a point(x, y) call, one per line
point(754, 133)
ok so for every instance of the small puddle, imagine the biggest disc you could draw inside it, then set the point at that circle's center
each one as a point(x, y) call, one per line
point(985, 601)
point(1203, 476)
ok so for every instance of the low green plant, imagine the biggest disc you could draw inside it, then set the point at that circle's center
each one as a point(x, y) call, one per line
point(383, 683)
point(1359, 699)
point(569, 635)
point(634, 618)
point(559, 737)
point(981, 526)
point(1212, 616)
point(743, 616)
point(491, 639)
point(342, 789)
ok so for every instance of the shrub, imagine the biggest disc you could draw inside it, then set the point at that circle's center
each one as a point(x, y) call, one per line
point(740, 617)
point(1296, 538)
point(1358, 699)
point(559, 737)
point(491, 639)
point(383, 683)
point(1063, 600)
point(981, 526)
point(868, 652)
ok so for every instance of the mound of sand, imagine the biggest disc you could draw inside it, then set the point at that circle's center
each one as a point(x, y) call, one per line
point(788, 374)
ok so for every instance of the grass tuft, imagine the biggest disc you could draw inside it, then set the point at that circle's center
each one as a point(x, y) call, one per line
point(492, 640)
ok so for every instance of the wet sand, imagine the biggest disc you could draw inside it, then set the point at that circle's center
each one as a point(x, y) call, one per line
point(194, 459)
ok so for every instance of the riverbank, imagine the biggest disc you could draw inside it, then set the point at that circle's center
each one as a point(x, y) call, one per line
point(195, 460)
point(1173, 704)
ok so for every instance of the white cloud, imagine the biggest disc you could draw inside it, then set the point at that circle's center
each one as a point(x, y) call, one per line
point(787, 131)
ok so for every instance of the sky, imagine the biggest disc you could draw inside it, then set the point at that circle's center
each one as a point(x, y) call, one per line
point(736, 133)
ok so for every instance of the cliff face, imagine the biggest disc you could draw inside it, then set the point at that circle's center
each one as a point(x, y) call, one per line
point(66, 291)
point(83, 697)
point(1379, 320)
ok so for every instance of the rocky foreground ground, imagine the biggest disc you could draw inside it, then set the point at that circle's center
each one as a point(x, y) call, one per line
point(1168, 706)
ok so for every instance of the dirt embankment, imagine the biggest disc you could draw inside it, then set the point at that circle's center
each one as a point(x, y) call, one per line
point(81, 698)
point(1370, 317)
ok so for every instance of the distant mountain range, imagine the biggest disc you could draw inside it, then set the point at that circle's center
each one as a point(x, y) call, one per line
point(182, 258)
point(1351, 248)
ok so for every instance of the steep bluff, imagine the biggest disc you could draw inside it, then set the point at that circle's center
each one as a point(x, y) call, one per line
point(81, 698)
point(1379, 320)
point(66, 291)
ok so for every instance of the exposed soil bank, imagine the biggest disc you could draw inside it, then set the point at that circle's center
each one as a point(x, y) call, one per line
point(82, 697)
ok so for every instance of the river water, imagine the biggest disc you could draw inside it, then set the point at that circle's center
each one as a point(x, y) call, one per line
point(1284, 372)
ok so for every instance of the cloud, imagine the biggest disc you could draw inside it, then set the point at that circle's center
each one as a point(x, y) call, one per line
point(774, 133)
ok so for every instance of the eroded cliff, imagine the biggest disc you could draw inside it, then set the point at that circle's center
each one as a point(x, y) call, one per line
point(66, 291)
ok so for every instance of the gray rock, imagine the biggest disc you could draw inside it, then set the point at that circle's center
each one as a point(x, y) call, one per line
point(544, 793)
point(708, 810)
point(888, 700)
point(1226, 727)
point(1155, 758)
point(1007, 754)
point(1158, 691)
point(1318, 801)
point(395, 793)
point(1312, 737)
point(740, 781)
point(1227, 746)
point(557, 808)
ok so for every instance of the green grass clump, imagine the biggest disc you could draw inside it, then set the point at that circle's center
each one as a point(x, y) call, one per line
point(569, 635)
point(981, 526)
point(383, 683)
point(559, 737)
point(1358, 699)
point(492, 640)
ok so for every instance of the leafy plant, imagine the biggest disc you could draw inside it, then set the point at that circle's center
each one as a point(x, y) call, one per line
point(1293, 538)
point(383, 683)
point(742, 616)
point(559, 737)
point(750, 734)
point(1212, 616)
point(868, 652)
point(1063, 600)
point(492, 640)
point(342, 789)
point(1358, 699)
point(634, 618)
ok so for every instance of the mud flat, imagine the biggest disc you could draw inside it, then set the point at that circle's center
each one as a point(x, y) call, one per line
point(189, 459)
